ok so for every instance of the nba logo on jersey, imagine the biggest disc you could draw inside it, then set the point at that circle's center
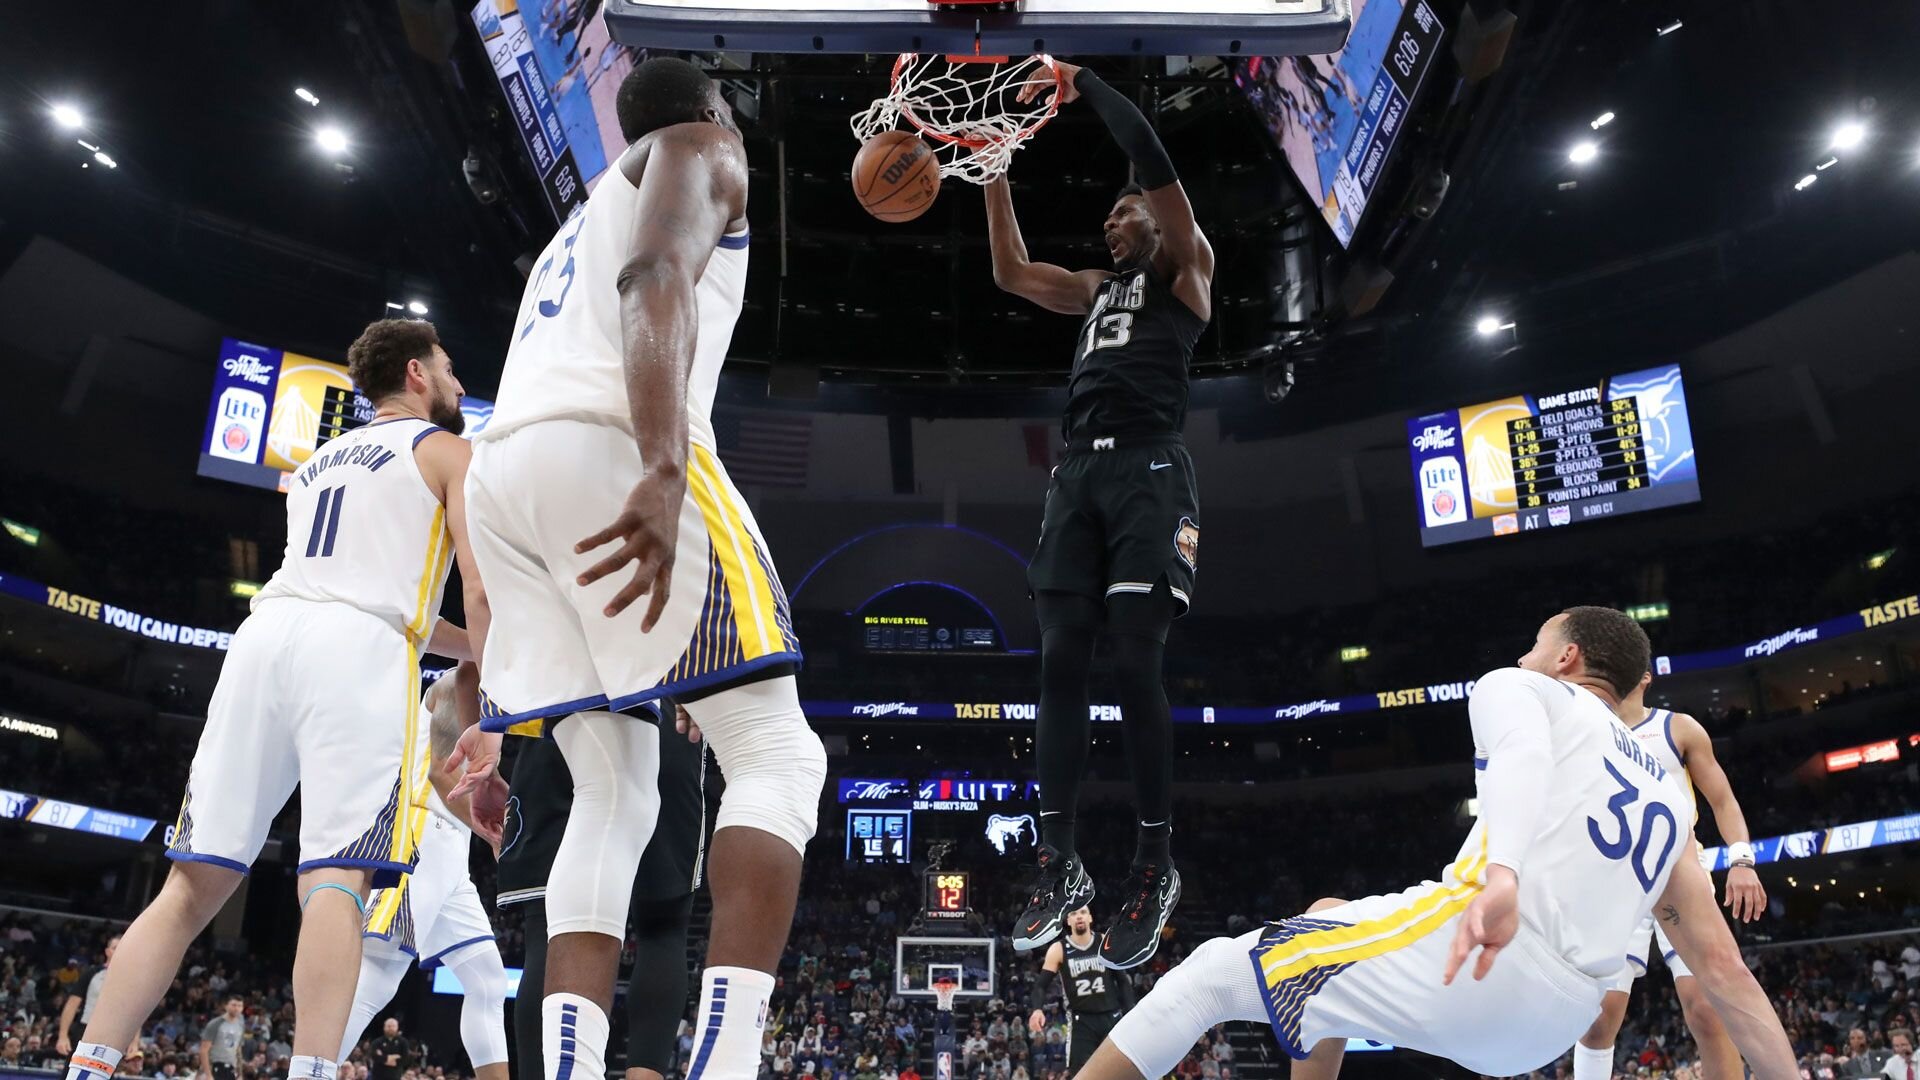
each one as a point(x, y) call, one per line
point(1442, 498)
point(242, 414)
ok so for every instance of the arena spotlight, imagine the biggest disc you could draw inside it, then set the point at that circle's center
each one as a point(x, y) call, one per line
point(331, 139)
point(1849, 135)
point(1583, 152)
point(1827, 164)
point(1668, 29)
point(305, 95)
point(417, 307)
point(1805, 182)
point(69, 117)
point(101, 157)
point(1489, 325)
point(1601, 121)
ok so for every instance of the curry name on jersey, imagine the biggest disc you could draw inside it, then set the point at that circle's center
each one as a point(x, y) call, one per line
point(1130, 365)
point(1614, 824)
point(364, 529)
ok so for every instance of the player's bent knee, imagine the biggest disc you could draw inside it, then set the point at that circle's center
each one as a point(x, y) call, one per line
point(483, 981)
point(1325, 903)
point(774, 783)
point(200, 888)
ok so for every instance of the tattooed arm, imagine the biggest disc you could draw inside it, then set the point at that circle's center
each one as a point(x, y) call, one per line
point(1699, 933)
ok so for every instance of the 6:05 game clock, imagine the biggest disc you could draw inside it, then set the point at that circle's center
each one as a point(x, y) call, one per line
point(949, 895)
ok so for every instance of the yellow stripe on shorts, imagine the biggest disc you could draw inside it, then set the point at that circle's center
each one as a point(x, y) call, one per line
point(1377, 937)
point(404, 831)
point(754, 607)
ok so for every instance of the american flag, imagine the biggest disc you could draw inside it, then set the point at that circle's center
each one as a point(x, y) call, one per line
point(764, 447)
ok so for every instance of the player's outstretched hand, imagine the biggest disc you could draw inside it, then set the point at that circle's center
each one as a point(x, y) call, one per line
point(1037, 1022)
point(1746, 898)
point(683, 723)
point(1489, 924)
point(479, 751)
point(648, 529)
point(1045, 79)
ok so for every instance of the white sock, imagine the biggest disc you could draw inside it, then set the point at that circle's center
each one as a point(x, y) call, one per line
point(92, 1061)
point(733, 1013)
point(573, 1038)
point(312, 1068)
point(1591, 1064)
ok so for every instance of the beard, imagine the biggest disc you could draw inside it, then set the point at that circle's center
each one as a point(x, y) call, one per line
point(446, 414)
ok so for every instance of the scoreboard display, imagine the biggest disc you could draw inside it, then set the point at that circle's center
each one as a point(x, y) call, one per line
point(949, 896)
point(1547, 460)
point(272, 409)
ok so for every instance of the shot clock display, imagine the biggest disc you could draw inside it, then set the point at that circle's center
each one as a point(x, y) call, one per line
point(949, 895)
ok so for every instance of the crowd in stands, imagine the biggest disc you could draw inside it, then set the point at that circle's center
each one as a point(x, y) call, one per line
point(45, 962)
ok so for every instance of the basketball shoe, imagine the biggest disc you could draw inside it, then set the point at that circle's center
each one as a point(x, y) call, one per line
point(1060, 886)
point(1152, 891)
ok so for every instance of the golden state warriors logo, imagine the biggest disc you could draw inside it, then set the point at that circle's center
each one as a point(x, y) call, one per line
point(298, 402)
point(1489, 453)
point(1186, 543)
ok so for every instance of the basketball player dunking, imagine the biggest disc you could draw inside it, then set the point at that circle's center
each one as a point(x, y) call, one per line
point(1120, 533)
point(605, 414)
point(1581, 836)
point(321, 688)
point(1681, 744)
point(1096, 997)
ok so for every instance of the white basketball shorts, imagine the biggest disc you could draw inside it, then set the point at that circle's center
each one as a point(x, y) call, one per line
point(536, 492)
point(434, 914)
point(1371, 968)
point(319, 695)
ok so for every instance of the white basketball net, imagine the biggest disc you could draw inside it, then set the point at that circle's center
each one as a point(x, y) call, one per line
point(943, 994)
point(967, 110)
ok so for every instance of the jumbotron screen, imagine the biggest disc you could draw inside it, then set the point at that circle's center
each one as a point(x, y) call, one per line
point(271, 409)
point(1565, 455)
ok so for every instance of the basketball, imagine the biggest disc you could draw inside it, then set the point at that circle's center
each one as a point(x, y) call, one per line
point(896, 176)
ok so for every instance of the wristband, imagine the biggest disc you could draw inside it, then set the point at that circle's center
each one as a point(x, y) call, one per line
point(1740, 853)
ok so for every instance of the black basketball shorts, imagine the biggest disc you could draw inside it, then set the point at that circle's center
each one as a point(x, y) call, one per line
point(541, 798)
point(1122, 515)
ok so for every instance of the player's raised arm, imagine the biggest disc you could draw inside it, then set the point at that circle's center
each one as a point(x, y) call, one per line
point(1187, 253)
point(1699, 934)
point(692, 185)
point(1055, 288)
point(1746, 897)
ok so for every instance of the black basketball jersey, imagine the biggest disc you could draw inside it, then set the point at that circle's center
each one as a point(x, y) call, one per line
point(1130, 367)
point(1089, 985)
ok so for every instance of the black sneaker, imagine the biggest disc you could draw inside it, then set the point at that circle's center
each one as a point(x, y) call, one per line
point(1062, 885)
point(1152, 892)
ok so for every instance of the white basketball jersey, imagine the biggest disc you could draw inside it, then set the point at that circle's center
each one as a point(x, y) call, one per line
point(566, 360)
point(1655, 732)
point(1615, 823)
point(363, 529)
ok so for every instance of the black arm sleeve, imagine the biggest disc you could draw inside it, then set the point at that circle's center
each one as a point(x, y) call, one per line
point(1043, 988)
point(1151, 165)
point(1123, 989)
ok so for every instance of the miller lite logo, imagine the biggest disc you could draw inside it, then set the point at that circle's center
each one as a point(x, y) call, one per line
point(1443, 493)
point(1435, 437)
point(240, 421)
point(249, 368)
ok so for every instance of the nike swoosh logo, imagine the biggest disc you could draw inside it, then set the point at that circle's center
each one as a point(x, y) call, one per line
point(1158, 465)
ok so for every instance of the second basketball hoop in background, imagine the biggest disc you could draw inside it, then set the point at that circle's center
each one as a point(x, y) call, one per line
point(896, 176)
